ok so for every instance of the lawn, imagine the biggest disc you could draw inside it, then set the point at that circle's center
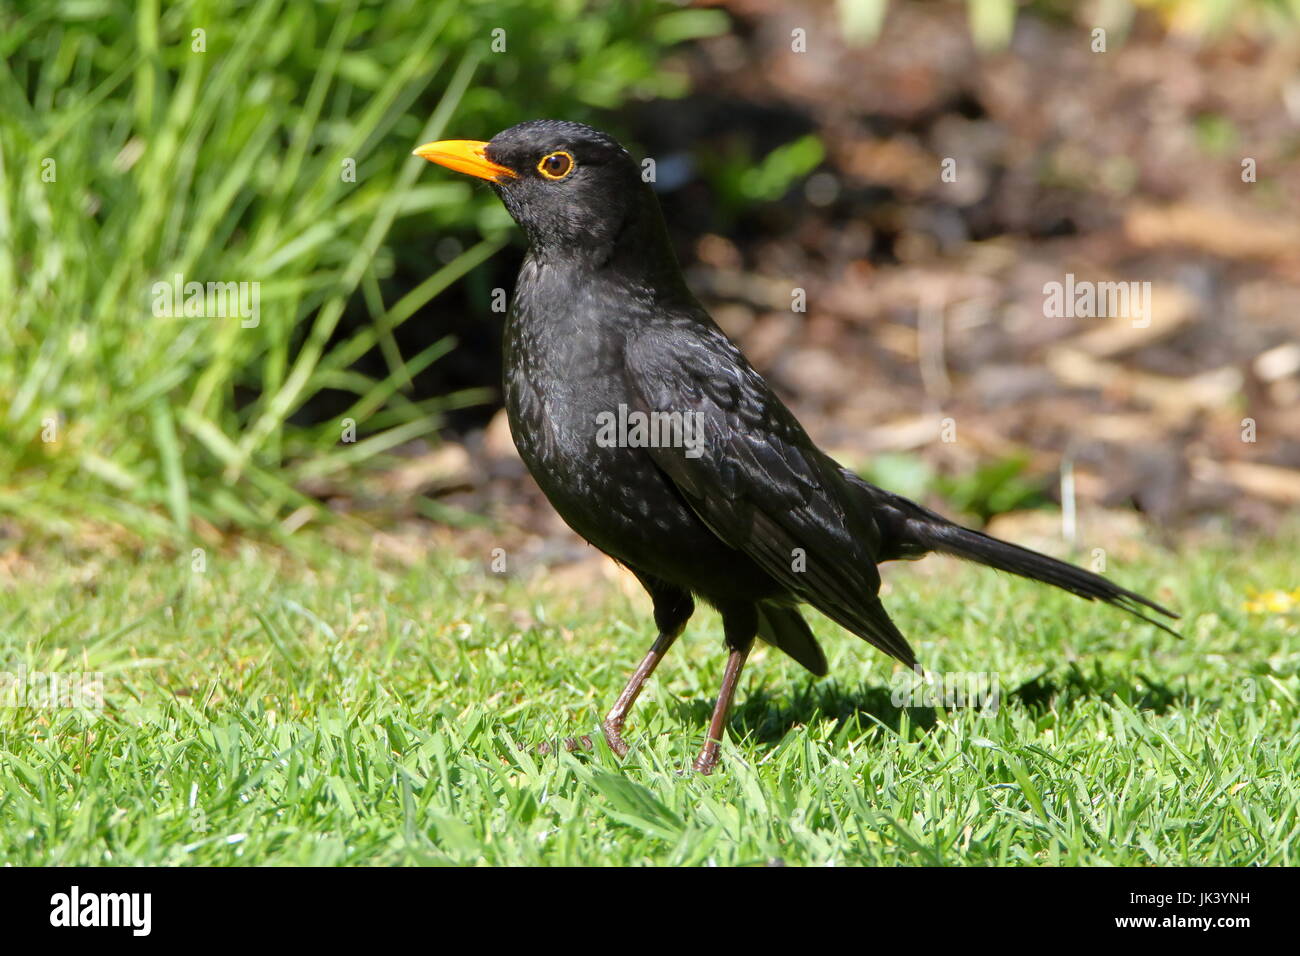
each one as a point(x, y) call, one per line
point(326, 707)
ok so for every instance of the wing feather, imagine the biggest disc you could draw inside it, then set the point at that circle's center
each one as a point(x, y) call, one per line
point(758, 482)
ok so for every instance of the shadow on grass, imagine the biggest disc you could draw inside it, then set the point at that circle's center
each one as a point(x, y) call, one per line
point(767, 717)
point(1062, 691)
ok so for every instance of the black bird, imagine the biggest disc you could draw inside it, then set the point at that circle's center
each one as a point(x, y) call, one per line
point(726, 498)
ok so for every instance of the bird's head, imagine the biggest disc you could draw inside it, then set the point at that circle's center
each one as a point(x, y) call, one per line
point(571, 188)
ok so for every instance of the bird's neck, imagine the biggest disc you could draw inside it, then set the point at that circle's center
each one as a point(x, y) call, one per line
point(635, 254)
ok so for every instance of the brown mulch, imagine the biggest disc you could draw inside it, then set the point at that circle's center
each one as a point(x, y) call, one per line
point(926, 298)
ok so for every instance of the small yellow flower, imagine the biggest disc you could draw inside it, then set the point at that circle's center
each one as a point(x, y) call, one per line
point(1272, 602)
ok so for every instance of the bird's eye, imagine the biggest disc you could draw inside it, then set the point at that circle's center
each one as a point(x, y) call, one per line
point(556, 165)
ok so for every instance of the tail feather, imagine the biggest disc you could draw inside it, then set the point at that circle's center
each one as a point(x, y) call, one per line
point(937, 534)
point(785, 628)
point(908, 530)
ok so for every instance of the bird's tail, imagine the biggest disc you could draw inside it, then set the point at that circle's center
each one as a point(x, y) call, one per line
point(935, 533)
point(784, 627)
point(910, 530)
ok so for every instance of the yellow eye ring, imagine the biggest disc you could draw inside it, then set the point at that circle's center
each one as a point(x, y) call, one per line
point(556, 165)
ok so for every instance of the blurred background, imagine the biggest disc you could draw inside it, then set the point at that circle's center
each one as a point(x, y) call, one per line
point(797, 147)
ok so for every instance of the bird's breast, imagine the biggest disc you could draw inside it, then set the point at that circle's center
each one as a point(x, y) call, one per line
point(571, 417)
point(563, 354)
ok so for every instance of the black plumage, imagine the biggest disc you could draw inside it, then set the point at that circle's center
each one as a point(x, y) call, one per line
point(754, 519)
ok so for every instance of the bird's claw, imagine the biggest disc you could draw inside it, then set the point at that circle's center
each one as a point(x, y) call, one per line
point(614, 737)
point(705, 763)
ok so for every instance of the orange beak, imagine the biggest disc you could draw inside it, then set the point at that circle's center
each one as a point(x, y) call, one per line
point(465, 156)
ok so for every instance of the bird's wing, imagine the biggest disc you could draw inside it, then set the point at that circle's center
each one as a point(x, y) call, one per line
point(756, 479)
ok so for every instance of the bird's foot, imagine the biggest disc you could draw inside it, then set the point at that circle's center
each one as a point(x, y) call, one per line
point(708, 758)
point(614, 736)
point(571, 745)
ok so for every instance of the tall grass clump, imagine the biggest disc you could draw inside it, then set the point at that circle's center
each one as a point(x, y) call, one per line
point(262, 146)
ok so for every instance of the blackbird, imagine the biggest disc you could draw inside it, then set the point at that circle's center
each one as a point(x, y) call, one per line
point(658, 443)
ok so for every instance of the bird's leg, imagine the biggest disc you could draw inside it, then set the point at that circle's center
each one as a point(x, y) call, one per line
point(708, 757)
point(613, 723)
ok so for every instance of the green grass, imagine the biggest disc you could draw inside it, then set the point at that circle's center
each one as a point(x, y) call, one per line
point(328, 708)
